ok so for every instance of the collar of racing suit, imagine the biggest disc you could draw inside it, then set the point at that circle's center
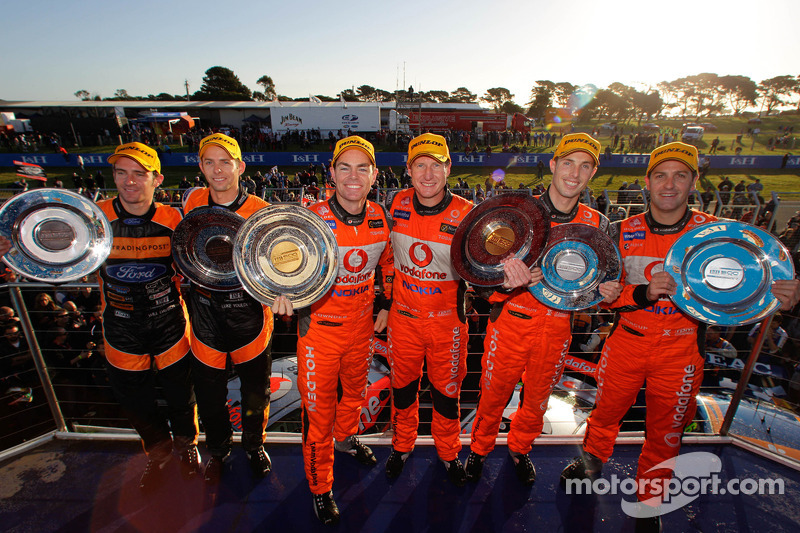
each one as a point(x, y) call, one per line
point(436, 209)
point(661, 229)
point(234, 206)
point(342, 214)
point(555, 214)
point(123, 215)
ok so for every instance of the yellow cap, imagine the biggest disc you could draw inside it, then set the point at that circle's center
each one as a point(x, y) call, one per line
point(141, 153)
point(354, 141)
point(583, 142)
point(223, 141)
point(677, 151)
point(429, 144)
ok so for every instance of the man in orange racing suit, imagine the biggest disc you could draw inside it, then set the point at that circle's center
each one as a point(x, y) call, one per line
point(229, 324)
point(334, 347)
point(427, 318)
point(525, 335)
point(145, 323)
point(652, 341)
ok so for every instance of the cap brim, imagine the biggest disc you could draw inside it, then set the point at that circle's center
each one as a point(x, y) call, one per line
point(203, 149)
point(354, 146)
point(114, 157)
point(567, 152)
point(440, 158)
point(651, 169)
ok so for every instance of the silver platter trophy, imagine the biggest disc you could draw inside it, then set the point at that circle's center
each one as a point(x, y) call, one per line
point(57, 235)
point(575, 261)
point(724, 271)
point(508, 225)
point(285, 250)
point(202, 247)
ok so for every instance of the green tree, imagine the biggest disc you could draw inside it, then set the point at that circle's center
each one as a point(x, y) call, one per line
point(541, 98)
point(497, 96)
point(348, 95)
point(366, 93)
point(741, 92)
point(511, 107)
point(562, 91)
point(774, 90)
point(462, 95)
point(221, 83)
point(268, 93)
point(121, 94)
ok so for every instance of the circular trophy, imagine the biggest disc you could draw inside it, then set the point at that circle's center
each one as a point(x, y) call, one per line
point(508, 225)
point(285, 250)
point(575, 261)
point(724, 271)
point(202, 247)
point(56, 235)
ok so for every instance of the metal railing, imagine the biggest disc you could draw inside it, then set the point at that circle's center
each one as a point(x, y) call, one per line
point(47, 385)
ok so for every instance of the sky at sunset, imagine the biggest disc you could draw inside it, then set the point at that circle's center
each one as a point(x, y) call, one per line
point(52, 49)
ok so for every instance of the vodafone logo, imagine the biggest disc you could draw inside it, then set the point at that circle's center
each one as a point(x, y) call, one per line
point(699, 219)
point(653, 268)
point(370, 208)
point(455, 213)
point(355, 260)
point(420, 254)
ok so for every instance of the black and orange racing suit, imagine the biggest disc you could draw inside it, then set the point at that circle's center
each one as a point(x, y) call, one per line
point(427, 321)
point(524, 337)
point(652, 343)
point(224, 323)
point(144, 324)
point(335, 336)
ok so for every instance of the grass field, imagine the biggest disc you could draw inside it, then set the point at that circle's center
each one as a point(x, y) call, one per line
point(727, 129)
point(773, 180)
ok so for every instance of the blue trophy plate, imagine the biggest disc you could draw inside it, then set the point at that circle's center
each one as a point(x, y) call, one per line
point(575, 261)
point(725, 271)
point(56, 235)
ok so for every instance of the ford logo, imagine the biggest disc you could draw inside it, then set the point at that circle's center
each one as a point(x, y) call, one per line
point(138, 273)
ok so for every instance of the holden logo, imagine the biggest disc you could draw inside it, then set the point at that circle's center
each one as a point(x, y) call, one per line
point(421, 254)
point(653, 268)
point(323, 211)
point(355, 260)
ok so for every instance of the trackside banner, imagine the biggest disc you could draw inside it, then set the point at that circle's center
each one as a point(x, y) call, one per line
point(506, 161)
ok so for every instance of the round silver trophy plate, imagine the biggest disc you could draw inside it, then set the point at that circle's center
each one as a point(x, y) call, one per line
point(724, 271)
point(575, 261)
point(57, 235)
point(285, 250)
point(202, 247)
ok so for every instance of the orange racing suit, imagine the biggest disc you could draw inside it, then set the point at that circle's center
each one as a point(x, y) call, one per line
point(335, 336)
point(524, 337)
point(427, 321)
point(652, 343)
